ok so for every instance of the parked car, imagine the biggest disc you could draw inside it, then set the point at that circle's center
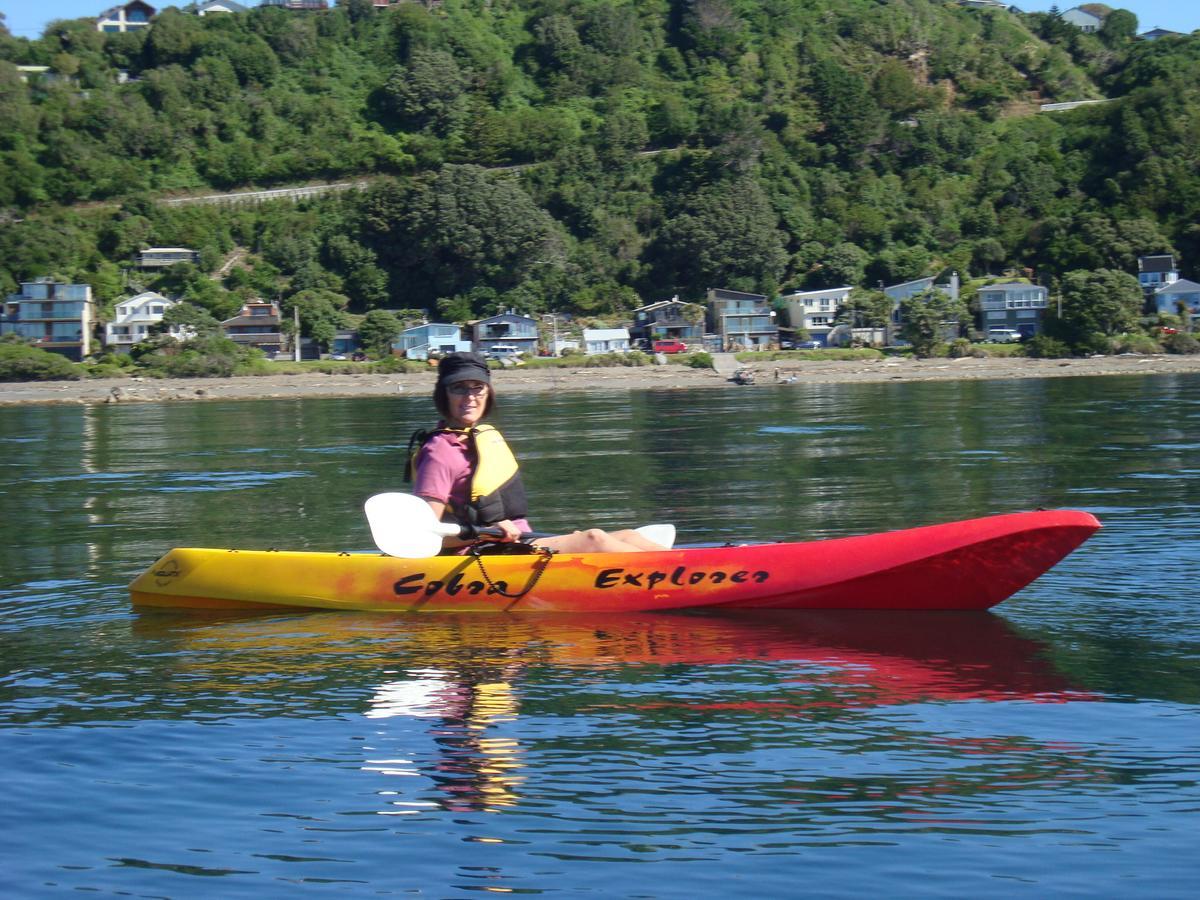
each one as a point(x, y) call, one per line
point(670, 346)
point(1003, 335)
point(809, 345)
point(503, 351)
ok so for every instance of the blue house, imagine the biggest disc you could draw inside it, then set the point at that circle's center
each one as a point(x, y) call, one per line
point(1156, 271)
point(53, 316)
point(668, 319)
point(898, 293)
point(1170, 298)
point(1014, 305)
point(432, 337)
point(510, 329)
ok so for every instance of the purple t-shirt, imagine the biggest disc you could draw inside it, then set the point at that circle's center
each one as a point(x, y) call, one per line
point(443, 473)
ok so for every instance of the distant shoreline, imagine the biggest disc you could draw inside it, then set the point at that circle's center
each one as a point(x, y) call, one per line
point(767, 373)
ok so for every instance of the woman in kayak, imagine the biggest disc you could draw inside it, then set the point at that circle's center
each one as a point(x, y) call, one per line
point(465, 471)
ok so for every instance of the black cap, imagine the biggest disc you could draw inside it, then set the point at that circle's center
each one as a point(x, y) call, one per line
point(455, 367)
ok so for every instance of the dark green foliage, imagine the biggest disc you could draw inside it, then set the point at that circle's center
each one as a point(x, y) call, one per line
point(1096, 305)
point(377, 331)
point(665, 146)
point(1042, 346)
point(931, 318)
point(1181, 343)
point(21, 362)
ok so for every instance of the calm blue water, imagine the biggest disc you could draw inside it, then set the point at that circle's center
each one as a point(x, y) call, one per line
point(1050, 748)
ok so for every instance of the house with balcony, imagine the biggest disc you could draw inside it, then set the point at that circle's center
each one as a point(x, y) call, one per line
point(53, 316)
point(297, 4)
point(1156, 271)
point(160, 257)
point(814, 311)
point(605, 340)
point(1179, 297)
point(741, 321)
point(434, 338)
point(1016, 305)
point(132, 16)
point(134, 318)
point(507, 329)
point(257, 325)
point(667, 320)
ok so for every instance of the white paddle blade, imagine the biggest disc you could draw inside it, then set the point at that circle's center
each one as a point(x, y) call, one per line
point(662, 534)
point(403, 525)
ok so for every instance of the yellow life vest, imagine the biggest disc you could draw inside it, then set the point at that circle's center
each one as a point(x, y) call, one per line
point(496, 489)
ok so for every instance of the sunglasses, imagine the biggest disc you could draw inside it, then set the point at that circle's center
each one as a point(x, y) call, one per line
point(463, 388)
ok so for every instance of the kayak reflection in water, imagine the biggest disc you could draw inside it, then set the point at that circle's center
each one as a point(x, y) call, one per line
point(465, 471)
point(476, 769)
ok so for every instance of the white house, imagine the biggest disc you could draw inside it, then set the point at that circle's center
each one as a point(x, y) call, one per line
point(1083, 20)
point(814, 311)
point(128, 17)
point(218, 6)
point(157, 257)
point(133, 319)
point(605, 340)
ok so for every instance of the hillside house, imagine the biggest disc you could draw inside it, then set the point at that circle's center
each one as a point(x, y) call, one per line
point(432, 337)
point(667, 320)
point(158, 257)
point(507, 329)
point(605, 340)
point(1156, 271)
point(53, 316)
point(212, 7)
point(257, 325)
point(297, 4)
point(741, 321)
point(133, 319)
point(1012, 304)
point(814, 311)
point(1155, 33)
point(1177, 296)
point(132, 16)
point(1083, 20)
point(903, 291)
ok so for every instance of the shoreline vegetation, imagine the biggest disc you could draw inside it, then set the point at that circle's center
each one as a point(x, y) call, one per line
point(767, 373)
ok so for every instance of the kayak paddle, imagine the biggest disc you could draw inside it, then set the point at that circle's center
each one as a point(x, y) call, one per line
point(404, 525)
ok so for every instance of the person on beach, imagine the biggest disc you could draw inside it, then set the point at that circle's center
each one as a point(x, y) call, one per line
point(465, 471)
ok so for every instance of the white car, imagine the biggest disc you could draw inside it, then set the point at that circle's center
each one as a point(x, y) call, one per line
point(1003, 336)
point(503, 351)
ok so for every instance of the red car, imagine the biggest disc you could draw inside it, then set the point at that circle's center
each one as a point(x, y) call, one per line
point(670, 346)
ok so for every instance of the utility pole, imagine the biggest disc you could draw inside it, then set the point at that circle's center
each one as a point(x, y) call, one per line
point(296, 335)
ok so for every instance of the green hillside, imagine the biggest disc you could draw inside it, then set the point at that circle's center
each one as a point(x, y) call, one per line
point(583, 154)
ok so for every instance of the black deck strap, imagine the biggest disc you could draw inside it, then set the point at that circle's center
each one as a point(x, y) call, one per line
point(539, 568)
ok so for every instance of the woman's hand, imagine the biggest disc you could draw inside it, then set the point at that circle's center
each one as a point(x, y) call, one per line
point(511, 531)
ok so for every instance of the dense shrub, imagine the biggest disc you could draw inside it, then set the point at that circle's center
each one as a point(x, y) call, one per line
point(960, 348)
point(1043, 346)
point(699, 360)
point(1181, 343)
point(21, 362)
point(1136, 343)
point(206, 357)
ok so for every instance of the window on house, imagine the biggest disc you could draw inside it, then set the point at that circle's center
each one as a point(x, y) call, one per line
point(156, 310)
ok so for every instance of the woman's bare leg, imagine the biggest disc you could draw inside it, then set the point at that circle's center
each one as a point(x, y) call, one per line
point(595, 540)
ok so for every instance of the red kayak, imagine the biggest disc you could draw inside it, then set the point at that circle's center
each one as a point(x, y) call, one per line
point(973, 564)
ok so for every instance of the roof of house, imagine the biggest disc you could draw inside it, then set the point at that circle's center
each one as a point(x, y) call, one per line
point(113, 10)
point(649, 307)
point(726, 294)
point(1182, 286)
point(844, 289)
point(1007, 286)
point(1163, 262)
point(223, 4)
